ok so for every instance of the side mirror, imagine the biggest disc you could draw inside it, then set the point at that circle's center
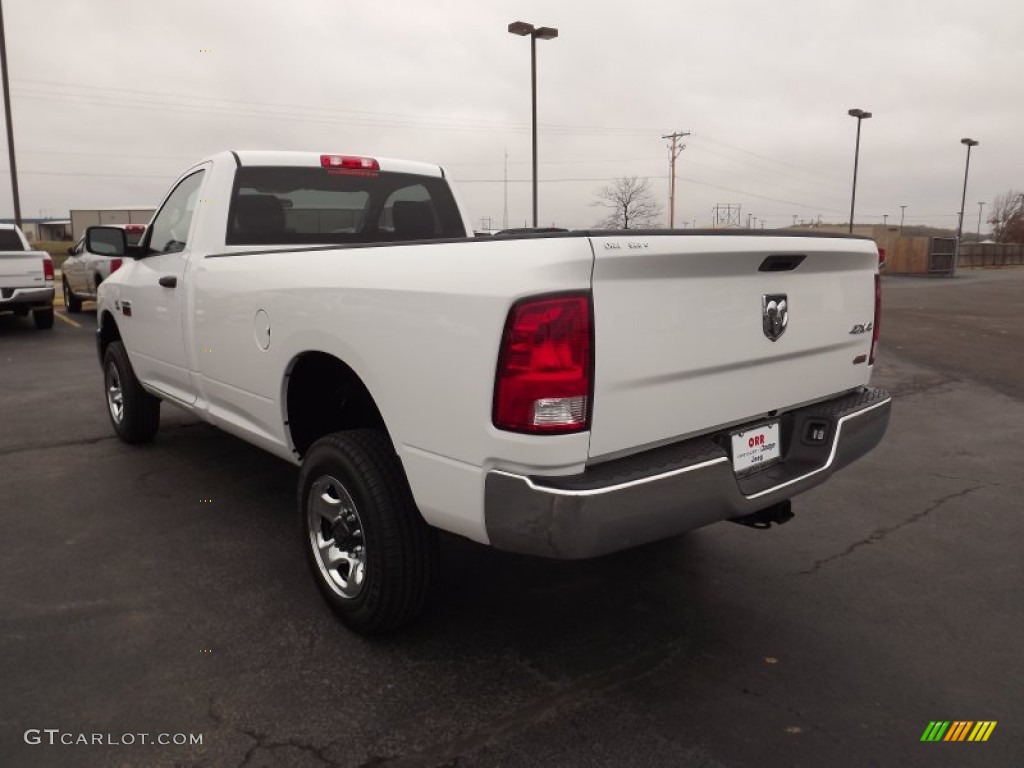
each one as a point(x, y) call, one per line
point(106, 241)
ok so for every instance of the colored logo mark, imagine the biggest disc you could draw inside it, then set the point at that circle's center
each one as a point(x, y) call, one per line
point(958, 730)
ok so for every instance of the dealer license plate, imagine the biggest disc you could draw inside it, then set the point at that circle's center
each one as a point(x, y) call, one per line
point(755, 448)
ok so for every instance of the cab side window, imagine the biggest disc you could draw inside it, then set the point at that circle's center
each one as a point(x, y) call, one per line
point(170, 228)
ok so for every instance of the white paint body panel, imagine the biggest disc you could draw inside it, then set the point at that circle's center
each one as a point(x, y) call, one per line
point(421, 325)
point(679, 338)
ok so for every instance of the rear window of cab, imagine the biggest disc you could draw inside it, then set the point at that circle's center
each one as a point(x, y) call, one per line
point(273, 205)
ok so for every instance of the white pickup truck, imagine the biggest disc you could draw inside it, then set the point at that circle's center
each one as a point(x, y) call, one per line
point(83, 270)
point(564, 394)
point(26, 278)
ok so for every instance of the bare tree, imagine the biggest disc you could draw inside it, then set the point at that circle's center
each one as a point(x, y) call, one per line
point(629, 202)
point(1007, 217)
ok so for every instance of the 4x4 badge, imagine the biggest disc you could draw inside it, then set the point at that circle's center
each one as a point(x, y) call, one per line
point(774, 315)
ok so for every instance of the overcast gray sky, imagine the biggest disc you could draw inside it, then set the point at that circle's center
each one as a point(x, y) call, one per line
point(112, 99)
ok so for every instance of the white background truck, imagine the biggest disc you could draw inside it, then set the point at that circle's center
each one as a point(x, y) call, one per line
point(26, 278)
point(565, 394)
point(83, 270)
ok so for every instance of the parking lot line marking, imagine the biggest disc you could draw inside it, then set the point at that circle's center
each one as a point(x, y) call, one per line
point(66, 319)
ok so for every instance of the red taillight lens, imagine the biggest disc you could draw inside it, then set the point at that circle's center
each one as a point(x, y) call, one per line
point(352, 163)
point(48, 269)
point(881, 257)
point(878, 319)
point(115, 264)
point(545, 366)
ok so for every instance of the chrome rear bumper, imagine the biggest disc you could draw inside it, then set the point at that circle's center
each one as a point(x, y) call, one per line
point(26, 297)
point(676, 488)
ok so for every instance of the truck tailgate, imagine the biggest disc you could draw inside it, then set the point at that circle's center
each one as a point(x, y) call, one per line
point(22, 269)
point(681, 346)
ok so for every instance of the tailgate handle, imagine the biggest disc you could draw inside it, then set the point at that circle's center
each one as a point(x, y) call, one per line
point(781, 263)
point(168, 281)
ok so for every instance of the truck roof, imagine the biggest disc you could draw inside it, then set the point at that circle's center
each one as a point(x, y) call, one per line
point(312, 160)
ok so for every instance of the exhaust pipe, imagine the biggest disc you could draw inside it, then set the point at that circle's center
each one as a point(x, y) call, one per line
point(762, 519)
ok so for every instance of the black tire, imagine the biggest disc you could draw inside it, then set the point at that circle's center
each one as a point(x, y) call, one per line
point(139, 411)
point(21, 311)
point(43, 318)
point(399, 550)
point(71, 302)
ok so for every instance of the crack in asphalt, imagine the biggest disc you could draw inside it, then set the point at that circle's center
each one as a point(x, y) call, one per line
point(58, 444)
point(448, 752)
point(263, 742)
point(984, 483)
point(920, 387)
point(80, 441)
point(880, 533)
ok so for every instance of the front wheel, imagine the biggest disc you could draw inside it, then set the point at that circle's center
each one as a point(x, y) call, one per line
point(372, 555)
point(134, 413)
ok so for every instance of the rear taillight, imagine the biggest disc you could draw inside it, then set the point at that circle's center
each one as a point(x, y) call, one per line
point(878, 319)
point(545, 366)
point(881, 257)
point(115, 264)
point(48, 269)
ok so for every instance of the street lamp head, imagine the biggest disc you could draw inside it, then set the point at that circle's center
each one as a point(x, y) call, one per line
point(546, 33)
point(860, 114)
point(520, 28)
point(969, 142)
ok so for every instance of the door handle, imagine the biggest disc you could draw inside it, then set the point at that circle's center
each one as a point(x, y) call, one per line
point(168, 281)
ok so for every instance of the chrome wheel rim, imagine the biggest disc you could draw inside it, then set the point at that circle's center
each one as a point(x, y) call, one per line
point(336, 537)
point(115, 396)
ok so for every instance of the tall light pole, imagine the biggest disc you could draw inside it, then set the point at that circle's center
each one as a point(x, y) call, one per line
point(544, 33)
point(860, 114)
point(980, 206)
point(963, 201)
point(903, 211)
point(10, 126)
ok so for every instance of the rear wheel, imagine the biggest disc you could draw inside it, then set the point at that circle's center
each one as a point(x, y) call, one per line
point(372, 555)
point(134, 413)
point(71, 302)
point(43, 318)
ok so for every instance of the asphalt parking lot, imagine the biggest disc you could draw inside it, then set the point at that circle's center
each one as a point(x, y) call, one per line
point(163, 590)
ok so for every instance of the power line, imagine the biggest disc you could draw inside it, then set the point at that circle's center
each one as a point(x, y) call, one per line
point(320, 113)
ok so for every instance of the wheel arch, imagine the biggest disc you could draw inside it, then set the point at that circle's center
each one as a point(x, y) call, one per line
point(107, 332)
point(323, 394)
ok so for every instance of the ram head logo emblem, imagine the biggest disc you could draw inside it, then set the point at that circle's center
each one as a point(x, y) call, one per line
point(774, 315)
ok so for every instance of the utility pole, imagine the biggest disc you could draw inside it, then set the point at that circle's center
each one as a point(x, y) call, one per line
point(903, 210)
point(748, 220)
point(10, 126)
point(504, 215)
point(674, 150)
point(885, 220)
point(980, 206)
point(794, 219)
